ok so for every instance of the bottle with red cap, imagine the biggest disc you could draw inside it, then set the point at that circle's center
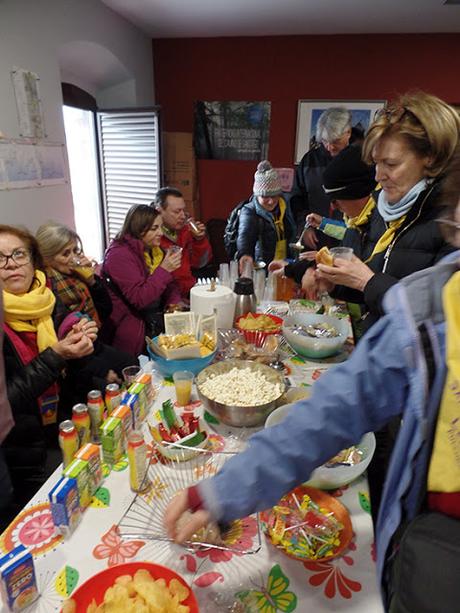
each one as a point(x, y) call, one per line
point(68, 441)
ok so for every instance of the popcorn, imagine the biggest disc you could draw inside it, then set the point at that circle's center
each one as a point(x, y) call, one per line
point(241, 387)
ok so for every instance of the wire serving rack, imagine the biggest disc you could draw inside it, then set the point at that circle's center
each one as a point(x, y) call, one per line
point(167, 476)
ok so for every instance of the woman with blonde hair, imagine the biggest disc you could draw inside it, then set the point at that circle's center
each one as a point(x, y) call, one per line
point(411, 143)
point(71, 273)
point(73, 281)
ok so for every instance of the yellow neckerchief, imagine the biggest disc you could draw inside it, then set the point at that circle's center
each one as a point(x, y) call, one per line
point(281, 245)
point(363, 217)
point(444, 471)
point(153, 258)
point(31, 312)
point(387, 237)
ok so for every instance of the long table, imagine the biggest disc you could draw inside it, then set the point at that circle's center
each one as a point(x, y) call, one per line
point(220, 579)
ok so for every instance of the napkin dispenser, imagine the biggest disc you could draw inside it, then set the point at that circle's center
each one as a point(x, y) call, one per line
point(207, 299)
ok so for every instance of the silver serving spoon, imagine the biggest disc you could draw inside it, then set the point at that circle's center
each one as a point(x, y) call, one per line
point(299, 246)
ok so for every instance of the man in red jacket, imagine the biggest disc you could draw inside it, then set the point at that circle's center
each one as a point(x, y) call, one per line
point(182, 232)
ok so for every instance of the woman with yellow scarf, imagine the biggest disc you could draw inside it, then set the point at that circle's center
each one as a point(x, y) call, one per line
point(411, 143)
point(35, 358)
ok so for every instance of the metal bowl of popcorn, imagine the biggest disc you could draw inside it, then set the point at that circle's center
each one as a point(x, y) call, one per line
point(240, 393)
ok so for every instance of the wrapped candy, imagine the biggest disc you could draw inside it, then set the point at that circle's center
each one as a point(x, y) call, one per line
point(303, 529)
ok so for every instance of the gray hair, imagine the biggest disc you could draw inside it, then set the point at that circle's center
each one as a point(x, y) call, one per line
point(52, 237)
point(332, 123)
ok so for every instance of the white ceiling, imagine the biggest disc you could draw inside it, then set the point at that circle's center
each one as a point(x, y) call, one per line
point(208, 18)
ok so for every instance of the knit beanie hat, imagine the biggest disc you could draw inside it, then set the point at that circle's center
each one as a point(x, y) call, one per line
point(347, 177)
point(266, 180)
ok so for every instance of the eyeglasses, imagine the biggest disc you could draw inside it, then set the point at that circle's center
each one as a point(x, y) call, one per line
point(19, 257)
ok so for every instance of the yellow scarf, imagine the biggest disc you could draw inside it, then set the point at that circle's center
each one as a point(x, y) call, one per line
point(153, 258)
point(387, 237)
point(363, 217)
point(31, 312)
point(281, 246)
point(444, 471)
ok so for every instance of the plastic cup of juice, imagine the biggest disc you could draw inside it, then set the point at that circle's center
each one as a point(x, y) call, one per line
point(130, 373)
point(183, 380)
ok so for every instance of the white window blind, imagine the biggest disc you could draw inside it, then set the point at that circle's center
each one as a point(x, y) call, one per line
point(129, 149)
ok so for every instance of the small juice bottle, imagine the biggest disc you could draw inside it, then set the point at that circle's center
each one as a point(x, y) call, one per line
point(112, 397)
point(82, 423)
point(138, 464)
point(68, 441)
point(96, 413)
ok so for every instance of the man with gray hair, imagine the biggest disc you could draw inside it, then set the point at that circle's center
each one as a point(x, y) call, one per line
point(333, 133)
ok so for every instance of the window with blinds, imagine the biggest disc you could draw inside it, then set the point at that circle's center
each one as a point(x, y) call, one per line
point(129, 150)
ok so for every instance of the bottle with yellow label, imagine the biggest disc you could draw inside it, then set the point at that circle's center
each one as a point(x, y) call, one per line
point(138, 463)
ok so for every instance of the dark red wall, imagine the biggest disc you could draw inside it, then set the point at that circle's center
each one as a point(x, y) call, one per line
point(284, 70)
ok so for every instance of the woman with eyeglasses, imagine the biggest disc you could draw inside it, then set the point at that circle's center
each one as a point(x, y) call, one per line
point(40, 343)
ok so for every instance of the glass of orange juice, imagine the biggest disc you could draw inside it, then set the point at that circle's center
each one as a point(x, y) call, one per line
point(183, 380)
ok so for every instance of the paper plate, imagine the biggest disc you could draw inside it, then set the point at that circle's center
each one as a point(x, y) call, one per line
point(96, 585)
point(324, 501)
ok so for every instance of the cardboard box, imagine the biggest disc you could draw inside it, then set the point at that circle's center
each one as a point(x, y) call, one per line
point(179, 162)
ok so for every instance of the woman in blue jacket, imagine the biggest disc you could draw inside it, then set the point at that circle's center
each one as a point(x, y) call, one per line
point(266, 225)
point(407, 366)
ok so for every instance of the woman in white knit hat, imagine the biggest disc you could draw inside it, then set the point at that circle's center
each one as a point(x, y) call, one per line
point(266, 225)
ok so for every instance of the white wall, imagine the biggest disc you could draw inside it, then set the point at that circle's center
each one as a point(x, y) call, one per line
point(32, 32)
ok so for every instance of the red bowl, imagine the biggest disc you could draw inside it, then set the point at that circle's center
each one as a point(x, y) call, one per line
point(257, 337)
point(325, 501)
point(96, 586)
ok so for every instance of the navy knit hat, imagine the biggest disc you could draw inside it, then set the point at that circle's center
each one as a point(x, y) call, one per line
point(347, 177)
point(266, 180)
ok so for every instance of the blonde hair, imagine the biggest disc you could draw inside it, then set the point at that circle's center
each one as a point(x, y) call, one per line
point(52, 237)
point(429, 125)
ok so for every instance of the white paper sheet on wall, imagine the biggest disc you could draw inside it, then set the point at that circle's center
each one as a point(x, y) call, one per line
point(28, 103)
point(25, 164)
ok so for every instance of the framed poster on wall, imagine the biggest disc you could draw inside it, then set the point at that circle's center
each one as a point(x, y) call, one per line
point(309, 111)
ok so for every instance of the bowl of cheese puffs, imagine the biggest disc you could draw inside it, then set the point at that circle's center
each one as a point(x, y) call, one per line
point(134, 587)
point(257, 326)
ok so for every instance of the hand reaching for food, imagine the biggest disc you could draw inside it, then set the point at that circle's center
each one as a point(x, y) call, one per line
point(183, 531)
point(314, 220)
point(277, 267)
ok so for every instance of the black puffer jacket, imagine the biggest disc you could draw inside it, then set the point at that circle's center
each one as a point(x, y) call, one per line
point(417, 244)
point(257, 234)
point(307, 194)
point(25, 447)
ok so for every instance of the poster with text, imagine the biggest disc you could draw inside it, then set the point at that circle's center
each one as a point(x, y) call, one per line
point(231, 130)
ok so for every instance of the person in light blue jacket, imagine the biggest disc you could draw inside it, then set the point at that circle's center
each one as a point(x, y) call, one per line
point(398, 368)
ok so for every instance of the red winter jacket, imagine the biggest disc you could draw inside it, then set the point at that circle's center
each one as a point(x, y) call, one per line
point(195, 254)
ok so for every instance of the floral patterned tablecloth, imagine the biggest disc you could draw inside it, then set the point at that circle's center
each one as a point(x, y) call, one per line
point(267, 581)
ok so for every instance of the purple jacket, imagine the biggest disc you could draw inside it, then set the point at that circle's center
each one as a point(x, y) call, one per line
point(124, 264)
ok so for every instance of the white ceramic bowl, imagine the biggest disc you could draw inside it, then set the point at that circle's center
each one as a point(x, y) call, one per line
point(330, 478)
point(310, 346)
